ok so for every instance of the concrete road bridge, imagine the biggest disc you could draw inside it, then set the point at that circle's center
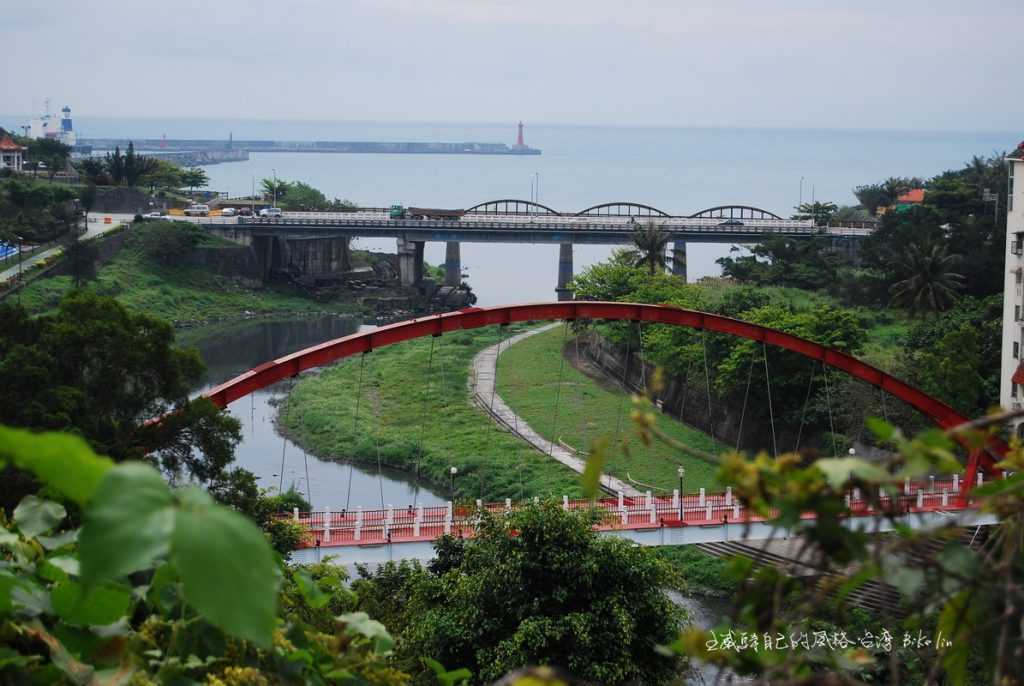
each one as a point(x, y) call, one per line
point(522, 221)
point(408, 530)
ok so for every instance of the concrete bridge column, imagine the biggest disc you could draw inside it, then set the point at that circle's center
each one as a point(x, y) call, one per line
point(410, 261)
point(564, 271)
point(452, 263)
point(679, 259)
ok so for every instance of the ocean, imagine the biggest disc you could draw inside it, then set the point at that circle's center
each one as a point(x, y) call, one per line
point(678, 170)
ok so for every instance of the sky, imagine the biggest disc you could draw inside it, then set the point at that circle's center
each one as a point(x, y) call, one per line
point(911, 64)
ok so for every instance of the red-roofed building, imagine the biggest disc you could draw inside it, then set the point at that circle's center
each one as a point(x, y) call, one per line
point(11, 154)
point(1011, 377)
point(914, 196)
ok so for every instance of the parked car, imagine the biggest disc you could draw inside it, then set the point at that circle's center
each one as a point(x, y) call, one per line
point(244, 212)
point(152, 215)
point(228, 212)
point(271, 212)
point(197, 210)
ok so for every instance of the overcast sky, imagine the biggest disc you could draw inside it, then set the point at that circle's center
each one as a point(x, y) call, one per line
point(933, 64)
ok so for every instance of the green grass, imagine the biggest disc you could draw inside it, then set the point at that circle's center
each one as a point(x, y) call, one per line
point(177, 294)
point(532, 377)
point(700, 571)
point(420, 411)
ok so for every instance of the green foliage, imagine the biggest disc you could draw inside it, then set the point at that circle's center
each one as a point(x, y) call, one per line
point(928, 279)
point(194, 177)
point(820, 212)
point(81, 261)
point(33, 210)
point(808, 263)
point(102, 371)
point(553, 592)
point(51, 153)
point(168, 243)
point(650, 241)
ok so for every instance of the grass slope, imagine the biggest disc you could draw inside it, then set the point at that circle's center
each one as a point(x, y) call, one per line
point(529, 375)
point(176, 294)
point(421, 413)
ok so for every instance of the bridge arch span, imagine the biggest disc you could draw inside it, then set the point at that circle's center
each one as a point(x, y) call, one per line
point(291, 365)
point(512, 206)
point(622, 209)
point(734, 212)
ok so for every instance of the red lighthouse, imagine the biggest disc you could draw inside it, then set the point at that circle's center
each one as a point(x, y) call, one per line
point(519, 138)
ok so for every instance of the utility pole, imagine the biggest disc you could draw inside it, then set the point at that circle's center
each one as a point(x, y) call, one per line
point(274, 171)
point(801, 202)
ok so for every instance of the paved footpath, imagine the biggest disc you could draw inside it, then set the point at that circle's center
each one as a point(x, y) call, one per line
point(95, 228)
point(481, 386)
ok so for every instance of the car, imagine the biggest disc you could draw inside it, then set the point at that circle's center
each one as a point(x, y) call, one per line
point(731, 222)
point(271, 212)
point(197, 210)
point(228, 212)
point(244, 211)
point(153, 215)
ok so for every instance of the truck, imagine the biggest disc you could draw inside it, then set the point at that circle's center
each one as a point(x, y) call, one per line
point(197, 210)
point(400, 212)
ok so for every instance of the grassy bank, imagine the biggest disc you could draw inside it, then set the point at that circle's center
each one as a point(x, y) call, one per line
point(420, 411)
point(176, 293)
point(528, 380)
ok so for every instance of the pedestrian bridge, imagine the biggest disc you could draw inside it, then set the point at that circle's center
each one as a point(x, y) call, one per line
point(408, 532)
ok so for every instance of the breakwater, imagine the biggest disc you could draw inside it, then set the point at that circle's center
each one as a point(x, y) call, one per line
point(166, 146)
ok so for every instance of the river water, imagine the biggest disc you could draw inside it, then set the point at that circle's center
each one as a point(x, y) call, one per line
point(276, 461)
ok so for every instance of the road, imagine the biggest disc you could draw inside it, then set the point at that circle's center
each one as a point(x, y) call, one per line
point(96, 227)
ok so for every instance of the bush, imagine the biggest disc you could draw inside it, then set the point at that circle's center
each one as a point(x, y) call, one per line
point(168, 242)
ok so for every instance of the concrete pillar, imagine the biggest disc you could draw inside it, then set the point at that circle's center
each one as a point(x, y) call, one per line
point(701, 500)
point(564, 271)
point(675, 499)
point(956, 482)
point(920, 498)
point(452, 264)
point(728, 495)
point(620, 500)
point(295, 513)
point(679, 259)
point(410, 261)
point(508, 504)
point(945, 498)
point(565, 503)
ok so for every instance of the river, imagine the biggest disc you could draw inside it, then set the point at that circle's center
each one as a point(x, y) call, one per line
point(231, 349)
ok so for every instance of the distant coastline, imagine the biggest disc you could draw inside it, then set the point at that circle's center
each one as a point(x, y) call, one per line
point(198, 145)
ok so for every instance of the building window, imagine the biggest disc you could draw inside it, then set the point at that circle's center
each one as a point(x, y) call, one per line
point(1017, 276)
point(1016, 313)
point(1013, 390)
point(1009, 191)
point(1016, 349)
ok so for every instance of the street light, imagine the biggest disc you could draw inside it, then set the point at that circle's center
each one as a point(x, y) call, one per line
point(681, 472)
point(20, 256)
point(453, 471)
point(275, 187)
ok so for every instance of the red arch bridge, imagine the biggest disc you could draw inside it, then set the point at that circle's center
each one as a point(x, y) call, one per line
point(408, 532)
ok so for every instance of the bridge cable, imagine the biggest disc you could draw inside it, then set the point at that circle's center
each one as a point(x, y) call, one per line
point(707, 381)
point(309, 492)
point(625, 387)
point(746, 394)
point(643, 366)
point(280, 481)
point(771, 410)
point(426, 403)
point(581, 428)
point(376, 431)
point(885, 413)
point(803, 412)
point(490, 406)
point(355, 423)
point(558, 388)
point(831, 423)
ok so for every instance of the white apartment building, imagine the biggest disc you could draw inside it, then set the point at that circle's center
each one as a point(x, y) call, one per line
point(1011, 377)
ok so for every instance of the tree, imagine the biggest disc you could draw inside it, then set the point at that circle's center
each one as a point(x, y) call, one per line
point(115, 166)
point(538, 586)
point(94, 170)
point(81, 260)
point(163, 174)
point(820, 212)
point(101, 371)
point(137, 166)
point(651, 241)
point(194, 177)
point(87, 198)
point(929, 282)
point(168, 243)
point(303, 197)
point(50, 152)
point(269, 185)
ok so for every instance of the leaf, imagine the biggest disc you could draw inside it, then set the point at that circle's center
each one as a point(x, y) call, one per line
point(127, 525)
point(63, 461)
point(953, 620)
point(58, 541)
point(228, 571)
point(35, 516)
point(101, 605)
point(6, 537)
point(77, 672)
point(66, 563)
point(309, 589)
point(883, 430)
point(445, 677)
point(360, 623)
point(9, 658)
point(840, 470)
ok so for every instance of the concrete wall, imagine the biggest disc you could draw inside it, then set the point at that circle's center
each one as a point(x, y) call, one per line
point(1011, 396)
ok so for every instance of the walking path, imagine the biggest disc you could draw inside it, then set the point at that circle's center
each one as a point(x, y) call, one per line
point(94, 229)
point(481, 386)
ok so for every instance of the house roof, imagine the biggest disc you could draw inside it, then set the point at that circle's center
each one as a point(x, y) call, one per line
point(7, 144)
point(915, 195)
point(1017, 154)
point(1018, 375)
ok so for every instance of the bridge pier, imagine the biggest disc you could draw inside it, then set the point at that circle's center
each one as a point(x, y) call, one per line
point(452, 263)
point(679, 259)
point(410, 261)
point(564, 271)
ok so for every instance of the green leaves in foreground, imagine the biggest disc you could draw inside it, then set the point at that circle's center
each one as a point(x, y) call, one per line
point(132, 519)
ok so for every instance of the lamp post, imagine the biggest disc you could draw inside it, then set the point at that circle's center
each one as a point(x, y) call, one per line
point(274, 171)
point(681, 472)
point(20, 257)
point(452, 472)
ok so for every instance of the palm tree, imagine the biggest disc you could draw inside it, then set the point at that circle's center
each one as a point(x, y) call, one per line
point(650, 241)
point(931, 282)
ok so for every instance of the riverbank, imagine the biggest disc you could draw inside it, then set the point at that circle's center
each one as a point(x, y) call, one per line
point(414, 414)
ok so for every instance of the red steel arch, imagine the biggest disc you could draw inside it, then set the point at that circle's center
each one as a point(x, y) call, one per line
point(475, 317)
